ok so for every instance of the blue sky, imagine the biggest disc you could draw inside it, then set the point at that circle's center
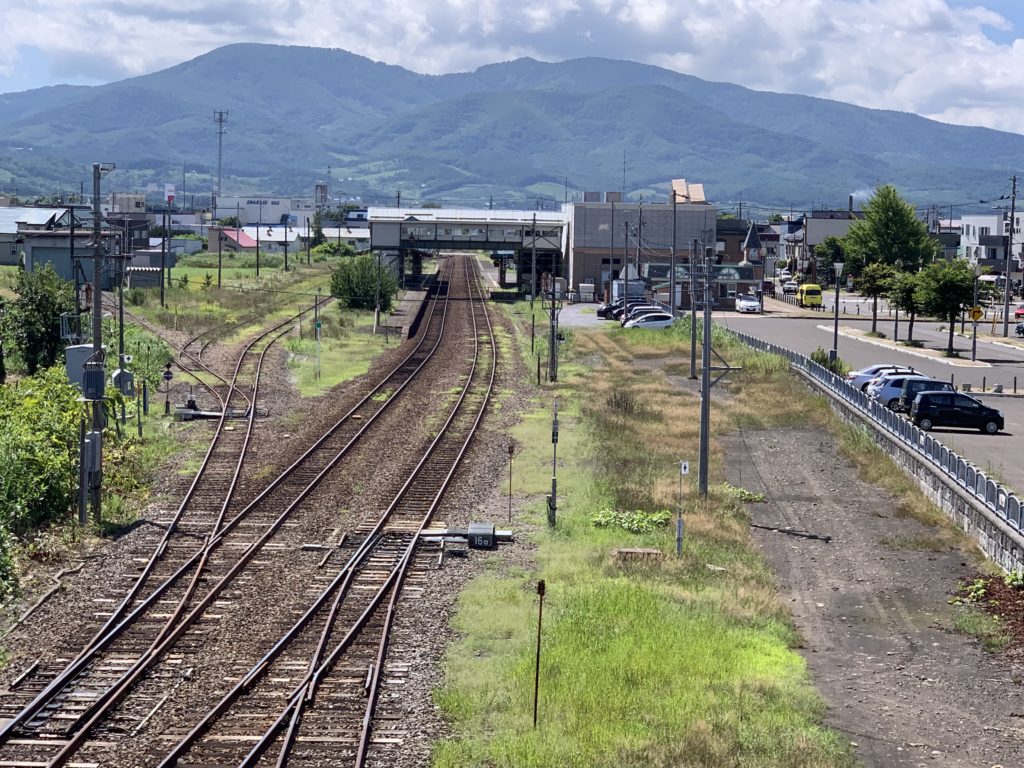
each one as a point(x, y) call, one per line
point(960, 61)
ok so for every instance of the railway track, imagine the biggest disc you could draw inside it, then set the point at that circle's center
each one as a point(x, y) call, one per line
point(53, 727)
point(311, 699)
point(37, 696)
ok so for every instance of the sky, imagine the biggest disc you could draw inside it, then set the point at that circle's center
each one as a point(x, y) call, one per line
point(958, 61)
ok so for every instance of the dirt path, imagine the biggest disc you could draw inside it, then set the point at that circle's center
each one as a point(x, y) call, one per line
point(873, 608)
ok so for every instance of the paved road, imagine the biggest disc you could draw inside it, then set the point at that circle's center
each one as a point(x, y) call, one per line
point(995, 454)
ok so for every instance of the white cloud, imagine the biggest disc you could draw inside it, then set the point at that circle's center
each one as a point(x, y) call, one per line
point(924, 56)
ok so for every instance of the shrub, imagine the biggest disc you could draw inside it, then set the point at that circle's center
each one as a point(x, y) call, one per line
point(354, 282)
point(837, 366)
point(137, 297)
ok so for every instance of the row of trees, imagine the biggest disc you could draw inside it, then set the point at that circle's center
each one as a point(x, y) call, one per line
point(889, 253)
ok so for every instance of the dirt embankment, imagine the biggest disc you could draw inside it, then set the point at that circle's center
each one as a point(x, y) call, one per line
point(873, 607)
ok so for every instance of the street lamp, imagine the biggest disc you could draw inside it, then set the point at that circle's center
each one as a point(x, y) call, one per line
point(834, 352)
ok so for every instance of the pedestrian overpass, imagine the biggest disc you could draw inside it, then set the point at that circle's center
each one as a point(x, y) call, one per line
point(533, 236)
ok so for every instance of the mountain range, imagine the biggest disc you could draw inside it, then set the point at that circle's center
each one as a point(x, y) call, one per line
point(509, 133)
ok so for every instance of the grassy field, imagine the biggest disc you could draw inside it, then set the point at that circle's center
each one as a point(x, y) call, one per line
point(678, 662)
point(347, 348)
point(245, 302)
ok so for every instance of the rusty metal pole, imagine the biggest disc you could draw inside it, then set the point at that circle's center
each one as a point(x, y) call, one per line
point(536, 669)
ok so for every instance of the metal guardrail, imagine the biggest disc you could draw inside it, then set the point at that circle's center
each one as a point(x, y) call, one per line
point(1000, 500)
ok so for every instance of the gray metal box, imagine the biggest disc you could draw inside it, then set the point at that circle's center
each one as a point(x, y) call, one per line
point(94, 382)
point(74, 362)
point(481, 536)
point(124, 382)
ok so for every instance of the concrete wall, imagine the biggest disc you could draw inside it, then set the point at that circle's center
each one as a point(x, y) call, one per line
point(1000, 542)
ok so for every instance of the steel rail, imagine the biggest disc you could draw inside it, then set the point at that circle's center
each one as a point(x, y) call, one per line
point(371, 704)
point(305, 691)
point(120, 688)
point(105, 635)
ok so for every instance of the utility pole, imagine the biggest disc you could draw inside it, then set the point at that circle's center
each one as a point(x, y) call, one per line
point(1009, 255)
point(220, 117)
point(705, 384)
point(220, 253)
point(95, 362)
point(553, 303)
point(259, 226)
point(163, 263)
point(693, 308)
point(672, 262)
point(533, 262)
point(398, 199)
point(624, 274)
point(639, 237)
point(611, 252)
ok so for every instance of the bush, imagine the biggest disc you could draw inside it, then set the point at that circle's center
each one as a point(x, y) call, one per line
point(837, 366)
point(137, 297)
point(354, 282)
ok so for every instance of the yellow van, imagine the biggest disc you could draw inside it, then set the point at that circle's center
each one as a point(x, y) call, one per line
point(808, 295)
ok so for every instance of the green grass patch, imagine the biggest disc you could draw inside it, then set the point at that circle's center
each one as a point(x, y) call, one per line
point(347, 349)
point(665, 663)
point(985, 627)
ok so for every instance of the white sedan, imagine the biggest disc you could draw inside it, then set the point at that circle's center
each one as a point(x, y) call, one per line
point(653, 320)
point(748, 303)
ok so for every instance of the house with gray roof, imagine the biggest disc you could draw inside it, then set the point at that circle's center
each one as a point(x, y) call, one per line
point(15, 222)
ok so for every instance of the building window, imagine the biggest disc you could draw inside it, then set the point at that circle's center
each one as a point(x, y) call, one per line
point(14, 249)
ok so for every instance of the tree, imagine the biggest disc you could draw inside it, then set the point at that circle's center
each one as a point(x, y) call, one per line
point(890, 233)
point(875, 280)
point(944, 288)
point(903, 295)
point(355, 283)
point(318, 230)
point(826, 253)
point(228, 221)
point(35, 316)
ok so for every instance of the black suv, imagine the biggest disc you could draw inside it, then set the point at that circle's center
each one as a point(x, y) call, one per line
point(952, 409)
point(911, 388)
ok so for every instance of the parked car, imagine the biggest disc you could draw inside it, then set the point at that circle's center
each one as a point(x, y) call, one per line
point(653, 320)
point(636, 312)
point(747, 303)
point(912, 385)
point(790, 287)
point(861, 378)
point(784, 275)
point(808, 295)
point(953, 409)
point(1020, 329)
point(1018, 312)
point(888, 388)
point(604, 310)
point(619, 311)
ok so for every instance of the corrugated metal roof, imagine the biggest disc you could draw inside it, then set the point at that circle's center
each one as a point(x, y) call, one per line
point(271, 233)
point(465, 215)
point(36, 217)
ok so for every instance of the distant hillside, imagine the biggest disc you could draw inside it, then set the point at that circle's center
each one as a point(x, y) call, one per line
point(514, 131)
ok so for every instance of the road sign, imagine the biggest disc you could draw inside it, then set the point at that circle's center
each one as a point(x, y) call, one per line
point(319, 323)
point(168, 375)
point(975, 313)
point(684, 467)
